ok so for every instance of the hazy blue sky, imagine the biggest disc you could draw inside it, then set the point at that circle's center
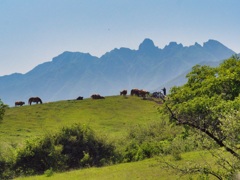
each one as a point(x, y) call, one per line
point(35, 31)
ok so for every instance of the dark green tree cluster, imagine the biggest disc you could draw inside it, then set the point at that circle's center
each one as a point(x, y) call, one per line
point(4, 165)
point(2, 109)
point(73, 147)
point(209, 102)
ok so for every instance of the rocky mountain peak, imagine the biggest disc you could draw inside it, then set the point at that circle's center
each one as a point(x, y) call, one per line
point(212, 43)
point(217, 49)
point(147, 45)
point(173, 46)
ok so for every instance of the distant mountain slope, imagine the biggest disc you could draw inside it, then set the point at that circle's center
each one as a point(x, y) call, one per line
point(181, 79)
point(72, 74)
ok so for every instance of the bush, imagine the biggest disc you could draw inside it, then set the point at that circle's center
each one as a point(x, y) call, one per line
point(158, 138)
point(48, 173)
point(37, 156)
point(5, 169)
point(73, 147)
point(82, 148)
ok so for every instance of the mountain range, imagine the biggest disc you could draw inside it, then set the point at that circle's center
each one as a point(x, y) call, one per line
point(73, 74)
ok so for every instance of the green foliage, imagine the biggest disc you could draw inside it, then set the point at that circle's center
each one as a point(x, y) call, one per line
point(82, 148)
point(146, 141)
point(5, 166)
point(86, 160)
point(49, 172)
point(38, 155)
point(209, 103)
point(158, 138)
point(2, 109)
point(72, 147)
point(5, 169)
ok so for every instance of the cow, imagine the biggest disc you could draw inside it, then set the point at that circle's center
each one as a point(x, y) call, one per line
point(139, 93)
point(143, 93)
point(97, 96)
point(34, 99)
point(135, 92)
point(80, 98)
point(19, 103)
point(124, 92)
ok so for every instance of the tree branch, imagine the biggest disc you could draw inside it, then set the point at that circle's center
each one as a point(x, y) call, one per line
point(204, 130)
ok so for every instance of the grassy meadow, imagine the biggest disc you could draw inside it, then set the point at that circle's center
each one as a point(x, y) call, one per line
point(147, 169)
point(112, 118)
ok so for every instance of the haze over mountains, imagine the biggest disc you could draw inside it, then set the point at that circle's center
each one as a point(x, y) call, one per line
point(73, 74)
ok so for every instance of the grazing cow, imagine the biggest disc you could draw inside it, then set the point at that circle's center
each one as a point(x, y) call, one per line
point(135, 92)
point(97, 96)
point(124, 92)
point(34, 99)
point(143, 93)
point(139, 93)
point(80, 98)
point(19, 103)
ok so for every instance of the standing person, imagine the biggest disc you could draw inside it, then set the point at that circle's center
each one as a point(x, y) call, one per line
point(164, 91)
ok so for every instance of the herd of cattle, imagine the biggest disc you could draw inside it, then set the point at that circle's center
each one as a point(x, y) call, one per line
point(134, 92)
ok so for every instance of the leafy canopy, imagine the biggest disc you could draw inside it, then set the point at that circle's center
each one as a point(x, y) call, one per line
point(210, 103)
point(2, 109)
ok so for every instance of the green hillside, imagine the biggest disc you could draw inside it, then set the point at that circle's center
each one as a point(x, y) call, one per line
point(111, 132)
point(111, 116)
point(142, 170)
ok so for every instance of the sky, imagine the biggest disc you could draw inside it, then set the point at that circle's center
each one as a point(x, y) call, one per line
point(35, 31)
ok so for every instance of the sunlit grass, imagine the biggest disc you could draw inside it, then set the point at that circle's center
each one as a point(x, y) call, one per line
point(147, 169)
point(111, 116)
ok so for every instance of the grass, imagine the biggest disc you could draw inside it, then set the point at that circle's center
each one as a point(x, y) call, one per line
point(138, 170)
point(146, 169)
point(111, 117)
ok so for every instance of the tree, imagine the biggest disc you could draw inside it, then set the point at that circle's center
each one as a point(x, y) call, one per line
point(209, 102)
point(2, 109)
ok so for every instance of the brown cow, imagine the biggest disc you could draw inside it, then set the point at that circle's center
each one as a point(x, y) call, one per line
point(19, 103)
point(143, 93)
point(139, 93)
point(97, 96)
point(124, 92)
point(135, 92)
